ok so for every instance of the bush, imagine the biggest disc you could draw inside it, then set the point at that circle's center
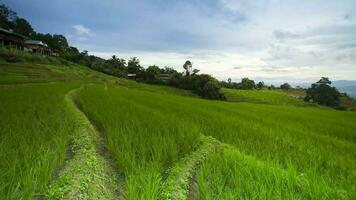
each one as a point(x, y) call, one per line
point(211, 90)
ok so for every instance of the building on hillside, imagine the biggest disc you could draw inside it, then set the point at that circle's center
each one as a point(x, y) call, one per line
point(37, 47)
point(55, 53)
point(164, 77)
point(131, 76)
point(11, 39)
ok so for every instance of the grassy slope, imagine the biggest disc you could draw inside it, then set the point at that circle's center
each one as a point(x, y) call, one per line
point(87, 175)
point(318, 143)
point(143, 140)
point(261, 96)
point(274, 151)
point(35, 123)
point(34, 135)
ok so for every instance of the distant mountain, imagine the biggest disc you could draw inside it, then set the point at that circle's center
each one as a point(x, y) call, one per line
point(342, 85)
point(346, 86)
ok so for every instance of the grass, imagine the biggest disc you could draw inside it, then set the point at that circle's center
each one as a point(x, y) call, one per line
point(34, 133)
point(261, 96)
point(18, 56)
point(319, 143)
point(179, 176)
point(15, 73)
point(271, 149)
point(232, 174)
point(87, 175)
point(144, 141)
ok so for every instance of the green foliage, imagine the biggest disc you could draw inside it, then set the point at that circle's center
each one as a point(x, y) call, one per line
point(247, 84)
point(322, 93)
point(55, 41)
point(188, 67)
point(7, 16)
point(134, 67)
point(285, 86)
point(23, 27)
point(260, 85)
point(17, 56)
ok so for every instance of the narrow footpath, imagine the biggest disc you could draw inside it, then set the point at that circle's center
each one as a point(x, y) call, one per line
point(87, 174)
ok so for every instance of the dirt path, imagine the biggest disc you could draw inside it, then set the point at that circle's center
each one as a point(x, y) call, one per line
point(179, 184)
point(88, 174)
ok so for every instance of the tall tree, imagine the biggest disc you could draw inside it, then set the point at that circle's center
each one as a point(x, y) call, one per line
point(247, 84)
point(7, 17)
point(133, 66)
point(188, 66)
point(23, 27)
point(285, 86)
point(260, 85)
point(323, 93)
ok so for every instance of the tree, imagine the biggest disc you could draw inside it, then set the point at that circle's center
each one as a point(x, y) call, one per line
point(188, 67)
point(195, 71)
point(205, 85)
point(211, 90)
point(323, 93)
point(151, 74)
point(134, 67)
point(58, 42)
point(285, 86)
point(7, 17)
point(23, 27)
point(247, 84)
point(260, 85)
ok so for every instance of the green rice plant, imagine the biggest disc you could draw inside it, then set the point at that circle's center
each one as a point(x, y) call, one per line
point(33, 137)
point(144, 141)
point(14, 73)
point(87, 175)
point(179, 176)
point(261, 96)
point(232, 175)
point(316, 142)
point(274, 150)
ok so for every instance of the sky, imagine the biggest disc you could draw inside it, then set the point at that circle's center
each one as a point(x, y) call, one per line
point(265, 40)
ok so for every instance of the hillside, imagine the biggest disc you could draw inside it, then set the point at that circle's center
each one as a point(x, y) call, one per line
point(68, 132)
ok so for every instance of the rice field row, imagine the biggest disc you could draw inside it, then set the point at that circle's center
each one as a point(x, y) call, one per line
point(318, 143)
point(34, 132)
point(273, 149)
point(261, 96)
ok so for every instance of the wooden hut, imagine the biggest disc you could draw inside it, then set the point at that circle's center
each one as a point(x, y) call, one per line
point(11, 39)
point(37, 47)
point(131, 76)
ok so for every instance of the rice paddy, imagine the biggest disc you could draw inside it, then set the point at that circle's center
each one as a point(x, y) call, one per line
point(266, 147)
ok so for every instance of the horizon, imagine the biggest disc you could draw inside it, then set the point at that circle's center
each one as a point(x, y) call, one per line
point(272, 41)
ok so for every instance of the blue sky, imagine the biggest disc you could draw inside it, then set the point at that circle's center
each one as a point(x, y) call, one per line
point(270, 40)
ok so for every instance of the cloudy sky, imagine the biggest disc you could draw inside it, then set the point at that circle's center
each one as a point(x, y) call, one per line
point(270, 40)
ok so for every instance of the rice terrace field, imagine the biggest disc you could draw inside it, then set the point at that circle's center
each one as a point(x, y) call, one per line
point(72, 133)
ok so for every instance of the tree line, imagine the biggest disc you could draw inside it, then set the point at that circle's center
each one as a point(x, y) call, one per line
point(204, 85)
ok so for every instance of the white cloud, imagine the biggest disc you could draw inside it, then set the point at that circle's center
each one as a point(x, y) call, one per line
point(81, 30)
point(264, 39)
point(80, 34)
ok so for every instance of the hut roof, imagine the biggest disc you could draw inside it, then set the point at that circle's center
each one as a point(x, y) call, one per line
point(10, 32)
point(35, 42)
